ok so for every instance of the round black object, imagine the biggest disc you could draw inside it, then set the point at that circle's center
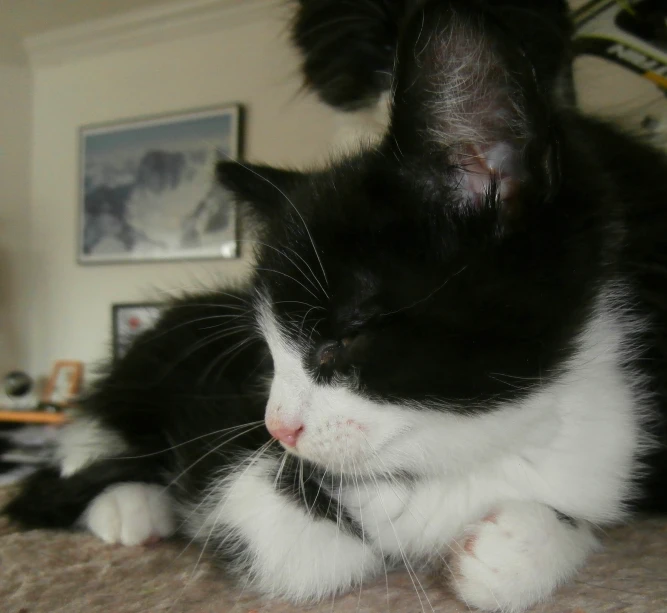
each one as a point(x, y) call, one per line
point(17, 384)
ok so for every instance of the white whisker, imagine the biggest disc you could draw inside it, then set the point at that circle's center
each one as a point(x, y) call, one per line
point(284, 195)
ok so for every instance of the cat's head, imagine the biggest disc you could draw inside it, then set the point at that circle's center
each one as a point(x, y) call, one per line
point(420, 286)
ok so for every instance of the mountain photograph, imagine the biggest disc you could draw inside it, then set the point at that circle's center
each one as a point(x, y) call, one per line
point(148, 190)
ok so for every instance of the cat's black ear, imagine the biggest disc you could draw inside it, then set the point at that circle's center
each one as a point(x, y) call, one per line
point(468, 102)
point(264, 188)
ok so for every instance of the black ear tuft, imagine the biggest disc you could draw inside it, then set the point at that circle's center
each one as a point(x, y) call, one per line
point(264, 188)
point(347, 48)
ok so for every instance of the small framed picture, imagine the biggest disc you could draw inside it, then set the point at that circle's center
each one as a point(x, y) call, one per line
point(129, 321)
point(64, 384)
point(148, 190)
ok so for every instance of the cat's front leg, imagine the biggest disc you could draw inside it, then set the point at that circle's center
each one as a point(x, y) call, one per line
point(518, 555)
point(277, 541)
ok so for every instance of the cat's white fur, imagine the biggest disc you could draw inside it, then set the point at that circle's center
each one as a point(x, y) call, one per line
point(517, 555)
point(131, 514)
point(571, 446)
point(287, 553)
point(84, 441)
point(482, 491)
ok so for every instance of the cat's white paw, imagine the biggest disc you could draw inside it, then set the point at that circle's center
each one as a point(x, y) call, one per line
point(130, 514)
point(516, 556)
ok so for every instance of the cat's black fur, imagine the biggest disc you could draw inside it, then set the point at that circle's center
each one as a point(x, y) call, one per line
point(393, 276)
point(184, 380)
point(522, 308)
point(532, 290)
point(348, 48)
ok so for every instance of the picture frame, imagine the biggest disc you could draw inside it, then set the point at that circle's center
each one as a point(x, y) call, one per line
point(64, 383)
point(148, 192)
point(130, 320)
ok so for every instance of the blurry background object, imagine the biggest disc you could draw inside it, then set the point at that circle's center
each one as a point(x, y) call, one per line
point(64, 384)
point(18, 388)
point(129, 321)
point(621, 65)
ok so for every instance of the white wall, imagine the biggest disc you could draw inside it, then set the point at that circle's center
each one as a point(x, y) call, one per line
point(14, 203)
point(250, 64)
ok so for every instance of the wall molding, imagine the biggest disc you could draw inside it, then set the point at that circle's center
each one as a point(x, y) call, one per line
point(146, 26)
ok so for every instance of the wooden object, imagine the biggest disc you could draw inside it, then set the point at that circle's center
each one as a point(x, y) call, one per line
point(33, 417)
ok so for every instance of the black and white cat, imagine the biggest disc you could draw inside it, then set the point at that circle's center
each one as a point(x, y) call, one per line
point(456, 339)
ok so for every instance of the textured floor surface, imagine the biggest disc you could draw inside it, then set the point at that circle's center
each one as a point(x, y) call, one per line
point(60, 572)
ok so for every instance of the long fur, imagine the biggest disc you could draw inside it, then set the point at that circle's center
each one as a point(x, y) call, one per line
point(348, 48)
point(458, 334)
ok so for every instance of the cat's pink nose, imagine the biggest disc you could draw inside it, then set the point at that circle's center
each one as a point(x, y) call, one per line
point(288, 435)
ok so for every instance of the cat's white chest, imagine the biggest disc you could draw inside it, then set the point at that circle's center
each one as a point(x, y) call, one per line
point(571, 446)
point(414, 519)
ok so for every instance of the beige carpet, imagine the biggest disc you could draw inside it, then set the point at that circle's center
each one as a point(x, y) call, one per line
point(60, 572)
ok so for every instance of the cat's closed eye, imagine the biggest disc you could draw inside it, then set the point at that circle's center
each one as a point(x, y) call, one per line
point(338, 355)
point(326, 354)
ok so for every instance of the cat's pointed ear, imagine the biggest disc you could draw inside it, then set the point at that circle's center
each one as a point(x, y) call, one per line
point(263, 188)
point(468, 103)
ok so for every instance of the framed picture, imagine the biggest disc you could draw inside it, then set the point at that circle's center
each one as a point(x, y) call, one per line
point(64, 384)
point(148, 190)
point(129, 321)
